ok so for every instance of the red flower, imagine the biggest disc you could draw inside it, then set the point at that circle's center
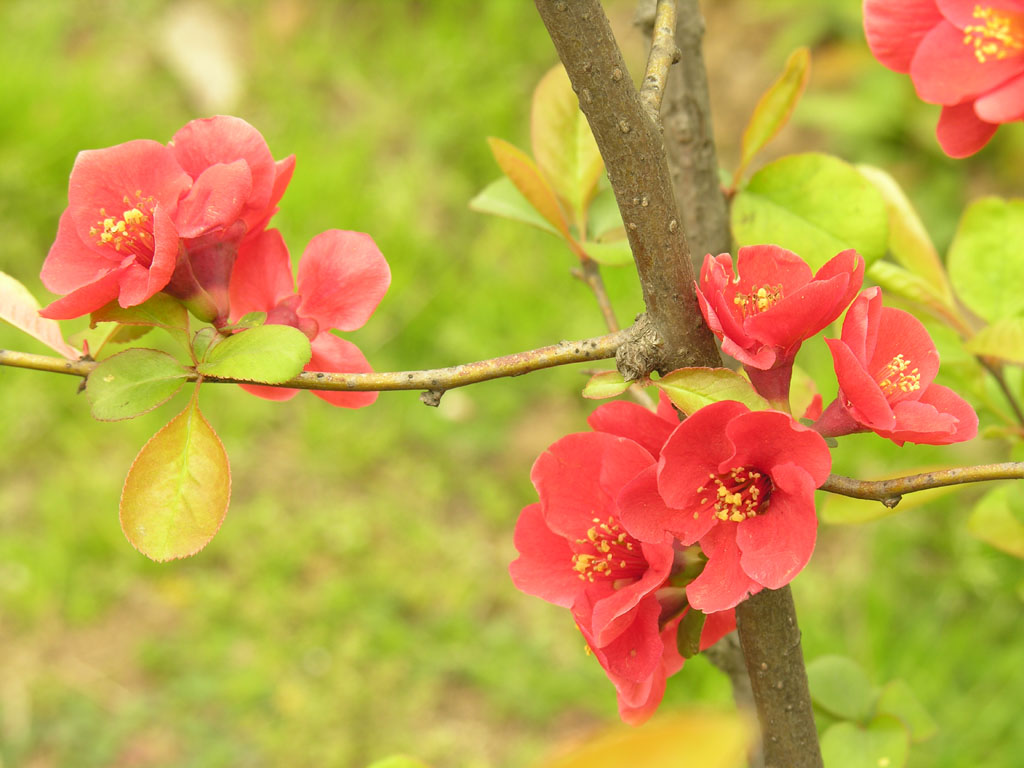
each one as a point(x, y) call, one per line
point(236, 188)
point(763, 313)
point(625, 419)
point(962, 54)
point(342, 278)
point(741, 483)
point(886, 364)
point(117, 239)
point(574, 553)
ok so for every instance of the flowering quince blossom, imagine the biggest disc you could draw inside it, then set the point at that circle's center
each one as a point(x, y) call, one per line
point(143, 217)
point(342, 278)
point(966, 55)
point(574, 553)
point(764, 311)
point(886, 365)
point(740, 483)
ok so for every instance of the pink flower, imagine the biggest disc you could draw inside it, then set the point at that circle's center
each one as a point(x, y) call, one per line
point(237, 186)
point(886, 365)
point(117, 239)
point(144, 218)
point(741, 483)
point(342, 278)
point(962, 54)
point(764, 312)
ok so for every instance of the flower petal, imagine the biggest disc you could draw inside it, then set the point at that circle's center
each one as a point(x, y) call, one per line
point(765, 440)
point(612, 614)
point(339, 356)
point(86, 299)
point(216, 199)
point(716, 626)
point(961, 132)
point(940, 417)
point(866, 402)
point(1003, 105)
point(71, 263)
point(579, 477)
point(946, 71)
point(895, 29)
point(631, 420)
point(645, 515)
point(694, 450)
point(544, 566)
point(342, 278)
point(262, 275)
point(723, 583)
point(903, 337)
point(777, 544)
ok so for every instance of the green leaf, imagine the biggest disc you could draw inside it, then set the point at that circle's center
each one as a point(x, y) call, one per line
point(160, 311)
point(898, 700)
point(501, 198)
point(998, 519)
point(133, 382)
point(909, 242)
point(986, 262)
point(604, 385)
point(203, 341)
point(883, 744)
point(126, 334)
point(615, 253)
point(815, 205)
point(775, 107)
point(524, 173)
point(269, 354)
point(690, 628)
point(20, 308)
point(690, 389)
point(840, 687)
point(177, 491)
point(1004, 339)
point(563, 145)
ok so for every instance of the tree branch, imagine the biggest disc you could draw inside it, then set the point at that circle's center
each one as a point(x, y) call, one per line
point(631, 145)
point(436, 380)
point(890, 492)
point(664, 54)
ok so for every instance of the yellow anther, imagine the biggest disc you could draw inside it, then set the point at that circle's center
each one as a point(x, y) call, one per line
point(999, 36)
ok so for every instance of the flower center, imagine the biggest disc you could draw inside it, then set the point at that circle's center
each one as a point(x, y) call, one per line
point(285, 314)
point(759, 300)
point(132, 233)
point(998, 36)
point(897, 377)
point(608, 552)
point(736, 495)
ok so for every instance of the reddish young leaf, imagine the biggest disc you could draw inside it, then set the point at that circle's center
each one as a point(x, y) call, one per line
point(523, 172)
point(19, 308)
point(177, 491)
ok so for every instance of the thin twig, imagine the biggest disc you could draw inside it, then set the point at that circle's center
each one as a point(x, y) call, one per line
point(590, 273)
point(435, 380)
point(664, 53)
point(997, 374)
point(889, 492)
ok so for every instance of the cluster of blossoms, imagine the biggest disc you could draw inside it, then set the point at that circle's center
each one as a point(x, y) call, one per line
point(962, 54)
point(646, 518)
point(189, 219)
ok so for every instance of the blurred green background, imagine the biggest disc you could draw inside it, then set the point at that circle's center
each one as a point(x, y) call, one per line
point(356, 602)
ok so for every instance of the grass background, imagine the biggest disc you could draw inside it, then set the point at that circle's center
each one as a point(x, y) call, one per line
point(356, 602)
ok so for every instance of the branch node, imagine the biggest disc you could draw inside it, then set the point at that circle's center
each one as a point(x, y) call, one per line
point(641, 352)
point(432, 397)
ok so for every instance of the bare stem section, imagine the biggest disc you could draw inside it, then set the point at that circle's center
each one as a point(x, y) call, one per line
point(435, 380)
point(664, 53)
point(890, 492)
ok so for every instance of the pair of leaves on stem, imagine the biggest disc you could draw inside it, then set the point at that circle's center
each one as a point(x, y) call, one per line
point(177, 491)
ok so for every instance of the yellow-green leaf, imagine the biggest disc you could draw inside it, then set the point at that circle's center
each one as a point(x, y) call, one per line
point(563, 145)
point(690, 389)
point(159, 311)
point(502, 198)
point(268, 354)
point(909, 242)
point(998, 519)
point(604, 385)
point(177, 491)
point(524, 173)
point(133, 382)
point(775, 107)
point(1004, 339)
